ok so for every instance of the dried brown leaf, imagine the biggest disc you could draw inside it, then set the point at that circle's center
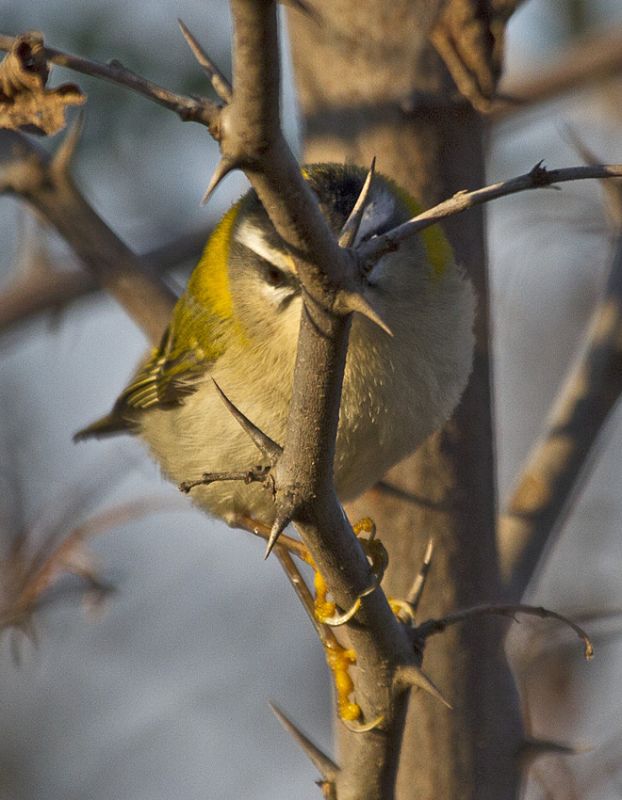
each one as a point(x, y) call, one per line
point(25, 102)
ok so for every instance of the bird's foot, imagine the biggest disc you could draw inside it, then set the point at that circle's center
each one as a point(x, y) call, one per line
point(339, 658)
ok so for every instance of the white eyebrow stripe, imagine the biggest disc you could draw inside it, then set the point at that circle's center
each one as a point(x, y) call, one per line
point(378, 212)
point(253, 237)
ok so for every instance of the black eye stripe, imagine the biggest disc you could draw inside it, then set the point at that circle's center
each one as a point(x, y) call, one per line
point(276, 277)
point(273, 276)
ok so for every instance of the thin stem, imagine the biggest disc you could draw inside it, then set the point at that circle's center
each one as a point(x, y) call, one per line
point(188, 108)
point(537, 178)
point(433, 626)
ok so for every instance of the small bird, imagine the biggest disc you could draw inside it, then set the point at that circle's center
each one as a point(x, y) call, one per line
point(236, 325)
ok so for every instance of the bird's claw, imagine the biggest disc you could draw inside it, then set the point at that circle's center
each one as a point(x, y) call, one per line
point(363, 727)
point(335, 620)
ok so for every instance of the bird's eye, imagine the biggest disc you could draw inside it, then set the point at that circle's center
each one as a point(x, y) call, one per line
point(274, 276)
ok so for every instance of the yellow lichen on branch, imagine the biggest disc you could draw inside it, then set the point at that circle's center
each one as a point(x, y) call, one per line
point(25, 101)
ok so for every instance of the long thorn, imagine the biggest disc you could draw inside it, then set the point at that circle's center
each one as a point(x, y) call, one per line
point(293, 546)
point(353, 223)
point(413, 597)
point(267, 447)
point(223, 168)
point(354, 301)
point(280, 523)
point(325, 765)
point(410, 676)
point(221, 85)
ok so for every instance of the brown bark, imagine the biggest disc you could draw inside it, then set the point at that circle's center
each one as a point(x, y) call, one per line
point(386, 93)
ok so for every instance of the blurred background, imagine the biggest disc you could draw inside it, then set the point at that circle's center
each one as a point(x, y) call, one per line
point(162, 689)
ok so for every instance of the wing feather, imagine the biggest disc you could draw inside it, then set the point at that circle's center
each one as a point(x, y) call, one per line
point(164, 380)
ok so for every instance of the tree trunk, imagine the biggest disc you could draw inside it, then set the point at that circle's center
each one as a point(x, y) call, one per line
point(370, 84)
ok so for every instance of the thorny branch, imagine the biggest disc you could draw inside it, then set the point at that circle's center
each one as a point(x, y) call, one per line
point(303, 475)
point(538, 177)
point(595, 57)
point(187, 108)
point(250, 137)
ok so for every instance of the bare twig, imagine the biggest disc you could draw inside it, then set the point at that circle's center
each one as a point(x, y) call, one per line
point(303, 474)
point(220, 84)
point(32, 295)
point(254, 475)
point(537, 178)
point(532, 748)
point(188, 108)
point(611, 189)
point(433, 626)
